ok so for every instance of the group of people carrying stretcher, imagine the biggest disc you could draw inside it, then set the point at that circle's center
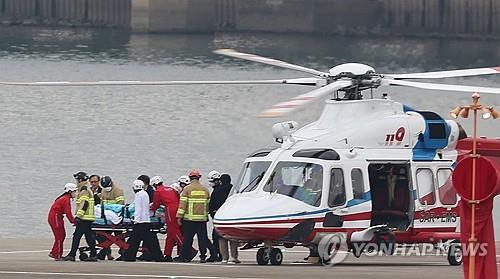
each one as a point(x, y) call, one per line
point(102, 215)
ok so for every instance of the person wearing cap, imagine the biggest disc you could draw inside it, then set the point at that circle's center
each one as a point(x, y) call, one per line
point(217, 198)
point(61, 207)
point(95, 186)
point(142, 226)
point(146, 256)
point(222, 187)
point(111, 193)
point(149, 189)
point(183, 181)
point(83, 220)
point(169, 198)
point(192, 215)
point(81, 178)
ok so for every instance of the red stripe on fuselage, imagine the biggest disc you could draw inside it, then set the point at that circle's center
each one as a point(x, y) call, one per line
point(351, 217)
point(420, 235)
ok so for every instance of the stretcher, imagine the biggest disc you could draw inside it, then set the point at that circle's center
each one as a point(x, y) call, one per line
point(109, 233)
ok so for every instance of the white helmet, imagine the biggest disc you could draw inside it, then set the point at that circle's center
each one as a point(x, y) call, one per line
point(184, 179)
point(213, 175)
point(176, 187)
point(156, 180)
point(70, 187)
point(138, 185)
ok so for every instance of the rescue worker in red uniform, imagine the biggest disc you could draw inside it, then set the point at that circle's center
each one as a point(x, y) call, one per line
point(61, 207)
point(169, 198)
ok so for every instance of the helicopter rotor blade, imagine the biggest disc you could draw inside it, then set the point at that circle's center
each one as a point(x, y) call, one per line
point(269, 61)
point(447, 74)
point(284, 108)
point(296, 81)
point(440, 86)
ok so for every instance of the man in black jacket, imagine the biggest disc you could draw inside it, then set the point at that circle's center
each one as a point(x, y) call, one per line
point(222, 187)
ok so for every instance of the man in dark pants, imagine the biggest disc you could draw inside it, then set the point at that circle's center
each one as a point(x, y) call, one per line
point(146, 256)
point(189, 230)
point(217, 198)
point(83, 227)
point(222, 187)
point(83, 219)
point(192, 216)
point(142, 226)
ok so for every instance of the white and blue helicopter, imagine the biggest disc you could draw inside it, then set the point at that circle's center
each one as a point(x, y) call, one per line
point(381, 177)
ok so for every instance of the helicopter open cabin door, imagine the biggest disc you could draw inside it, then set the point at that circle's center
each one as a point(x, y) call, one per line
point(390, 190)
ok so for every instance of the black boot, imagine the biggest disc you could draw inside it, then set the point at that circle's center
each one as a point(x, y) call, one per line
point(66, 259)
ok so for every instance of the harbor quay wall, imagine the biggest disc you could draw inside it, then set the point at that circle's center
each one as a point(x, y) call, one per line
point(457, 18)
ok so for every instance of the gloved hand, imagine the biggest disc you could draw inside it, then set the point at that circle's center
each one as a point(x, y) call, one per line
point(77, 221)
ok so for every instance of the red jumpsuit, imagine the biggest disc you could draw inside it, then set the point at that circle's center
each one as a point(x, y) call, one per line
point(169, 198)
point(61, 206)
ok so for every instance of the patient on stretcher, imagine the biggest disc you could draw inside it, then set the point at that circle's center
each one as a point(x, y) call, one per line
point(115, 214)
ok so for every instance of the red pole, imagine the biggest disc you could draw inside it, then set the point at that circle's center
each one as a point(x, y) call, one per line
point(472, 240)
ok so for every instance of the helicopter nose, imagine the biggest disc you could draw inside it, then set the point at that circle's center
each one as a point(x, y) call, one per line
point(265, 217)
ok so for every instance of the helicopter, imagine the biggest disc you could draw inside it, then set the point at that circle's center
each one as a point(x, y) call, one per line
point(382, 177)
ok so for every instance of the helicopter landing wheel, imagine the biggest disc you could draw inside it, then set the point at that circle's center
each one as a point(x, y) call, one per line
point(276, 256)
point(455, 256)
point(263, 256)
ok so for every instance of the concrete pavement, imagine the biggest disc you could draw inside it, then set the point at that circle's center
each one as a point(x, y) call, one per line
point(27, 258)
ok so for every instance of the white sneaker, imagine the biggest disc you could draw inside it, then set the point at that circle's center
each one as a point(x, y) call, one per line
point(223, 262)
point(235, 261)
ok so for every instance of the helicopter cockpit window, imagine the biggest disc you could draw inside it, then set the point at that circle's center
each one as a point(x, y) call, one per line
point(298, 180)
point(251, 175)
point(336, 195)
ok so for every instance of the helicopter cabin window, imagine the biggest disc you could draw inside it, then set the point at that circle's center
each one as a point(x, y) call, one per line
point(447, 194)
point(251, 175)
point(425, 187)
point(299, 180)
point(357, 184)
point(336, 195)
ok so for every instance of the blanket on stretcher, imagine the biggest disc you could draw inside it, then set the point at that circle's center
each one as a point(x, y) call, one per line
point(115, 214)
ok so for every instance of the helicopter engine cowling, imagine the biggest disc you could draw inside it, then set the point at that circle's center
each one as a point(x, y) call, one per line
point(354, 69)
